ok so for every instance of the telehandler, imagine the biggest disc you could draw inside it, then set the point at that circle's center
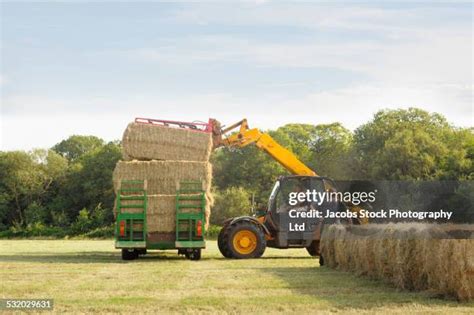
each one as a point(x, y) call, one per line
point(248, 236)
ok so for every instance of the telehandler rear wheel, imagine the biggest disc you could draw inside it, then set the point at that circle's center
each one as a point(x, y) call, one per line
point(243, 240)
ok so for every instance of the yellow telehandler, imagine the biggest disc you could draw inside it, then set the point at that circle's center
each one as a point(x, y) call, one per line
point(248, 236)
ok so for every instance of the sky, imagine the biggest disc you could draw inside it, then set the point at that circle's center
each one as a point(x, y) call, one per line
point(91, 68)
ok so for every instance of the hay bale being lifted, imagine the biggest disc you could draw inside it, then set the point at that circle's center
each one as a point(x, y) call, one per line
point(163, 176)
point(154, 142)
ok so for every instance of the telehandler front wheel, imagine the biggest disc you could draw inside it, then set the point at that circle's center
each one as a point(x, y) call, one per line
point(244, 240)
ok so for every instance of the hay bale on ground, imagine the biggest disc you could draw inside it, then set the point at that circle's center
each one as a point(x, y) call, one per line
point(153, 142)
point(163, 177)
point(410, 255)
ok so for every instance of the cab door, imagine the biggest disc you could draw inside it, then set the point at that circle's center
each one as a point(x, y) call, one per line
point(291, 230)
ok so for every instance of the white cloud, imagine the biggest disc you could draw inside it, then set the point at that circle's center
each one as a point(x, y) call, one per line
point(434, 59)
point(322, 16)
point(412, 53)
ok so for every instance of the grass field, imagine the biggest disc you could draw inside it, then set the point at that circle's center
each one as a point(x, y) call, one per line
point(89, 276)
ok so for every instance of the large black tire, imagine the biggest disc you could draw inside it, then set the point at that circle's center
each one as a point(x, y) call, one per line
point(313, 248)
point(257, 248)
point(221, 243)
point(129, 254)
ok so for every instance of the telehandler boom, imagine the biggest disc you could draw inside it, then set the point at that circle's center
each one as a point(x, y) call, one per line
point(263, 141)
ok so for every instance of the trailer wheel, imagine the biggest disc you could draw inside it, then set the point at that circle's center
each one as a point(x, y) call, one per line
point(129, 254)
point(194, 254)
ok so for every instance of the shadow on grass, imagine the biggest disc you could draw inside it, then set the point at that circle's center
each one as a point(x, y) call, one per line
point(115, 257)
point(288, 258)
point(346, 290)
point(87, 258)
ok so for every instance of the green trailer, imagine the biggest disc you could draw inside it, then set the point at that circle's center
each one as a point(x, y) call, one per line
point(131, 233)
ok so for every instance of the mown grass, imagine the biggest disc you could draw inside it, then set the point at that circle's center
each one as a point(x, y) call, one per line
point(89, 276)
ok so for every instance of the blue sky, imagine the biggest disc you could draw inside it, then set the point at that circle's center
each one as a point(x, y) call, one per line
point(90, 68)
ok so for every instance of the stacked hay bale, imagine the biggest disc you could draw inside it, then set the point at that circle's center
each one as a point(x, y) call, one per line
point(154, 142)
point(164, 157)
point(437, 258)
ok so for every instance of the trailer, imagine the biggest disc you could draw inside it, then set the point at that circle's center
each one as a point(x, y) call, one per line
point(131, 229)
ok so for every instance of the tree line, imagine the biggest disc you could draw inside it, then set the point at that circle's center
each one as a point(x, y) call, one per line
point(67, 189)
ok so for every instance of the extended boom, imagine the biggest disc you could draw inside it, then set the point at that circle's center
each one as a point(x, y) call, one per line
point(263, 141)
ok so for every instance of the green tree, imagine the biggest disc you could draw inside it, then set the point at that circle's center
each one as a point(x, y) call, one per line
point(459, 163)
point(52, 167)
point(411, 144)
point(331, 151)
point(25, 183)
point(76, 146)
point(83, 222)
point(298, 138)
point(410, 154)
point(35, 213)
point(96, 175)
point(229, 203)
point(88, 184)
point(248, 168)
point(21, 183)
